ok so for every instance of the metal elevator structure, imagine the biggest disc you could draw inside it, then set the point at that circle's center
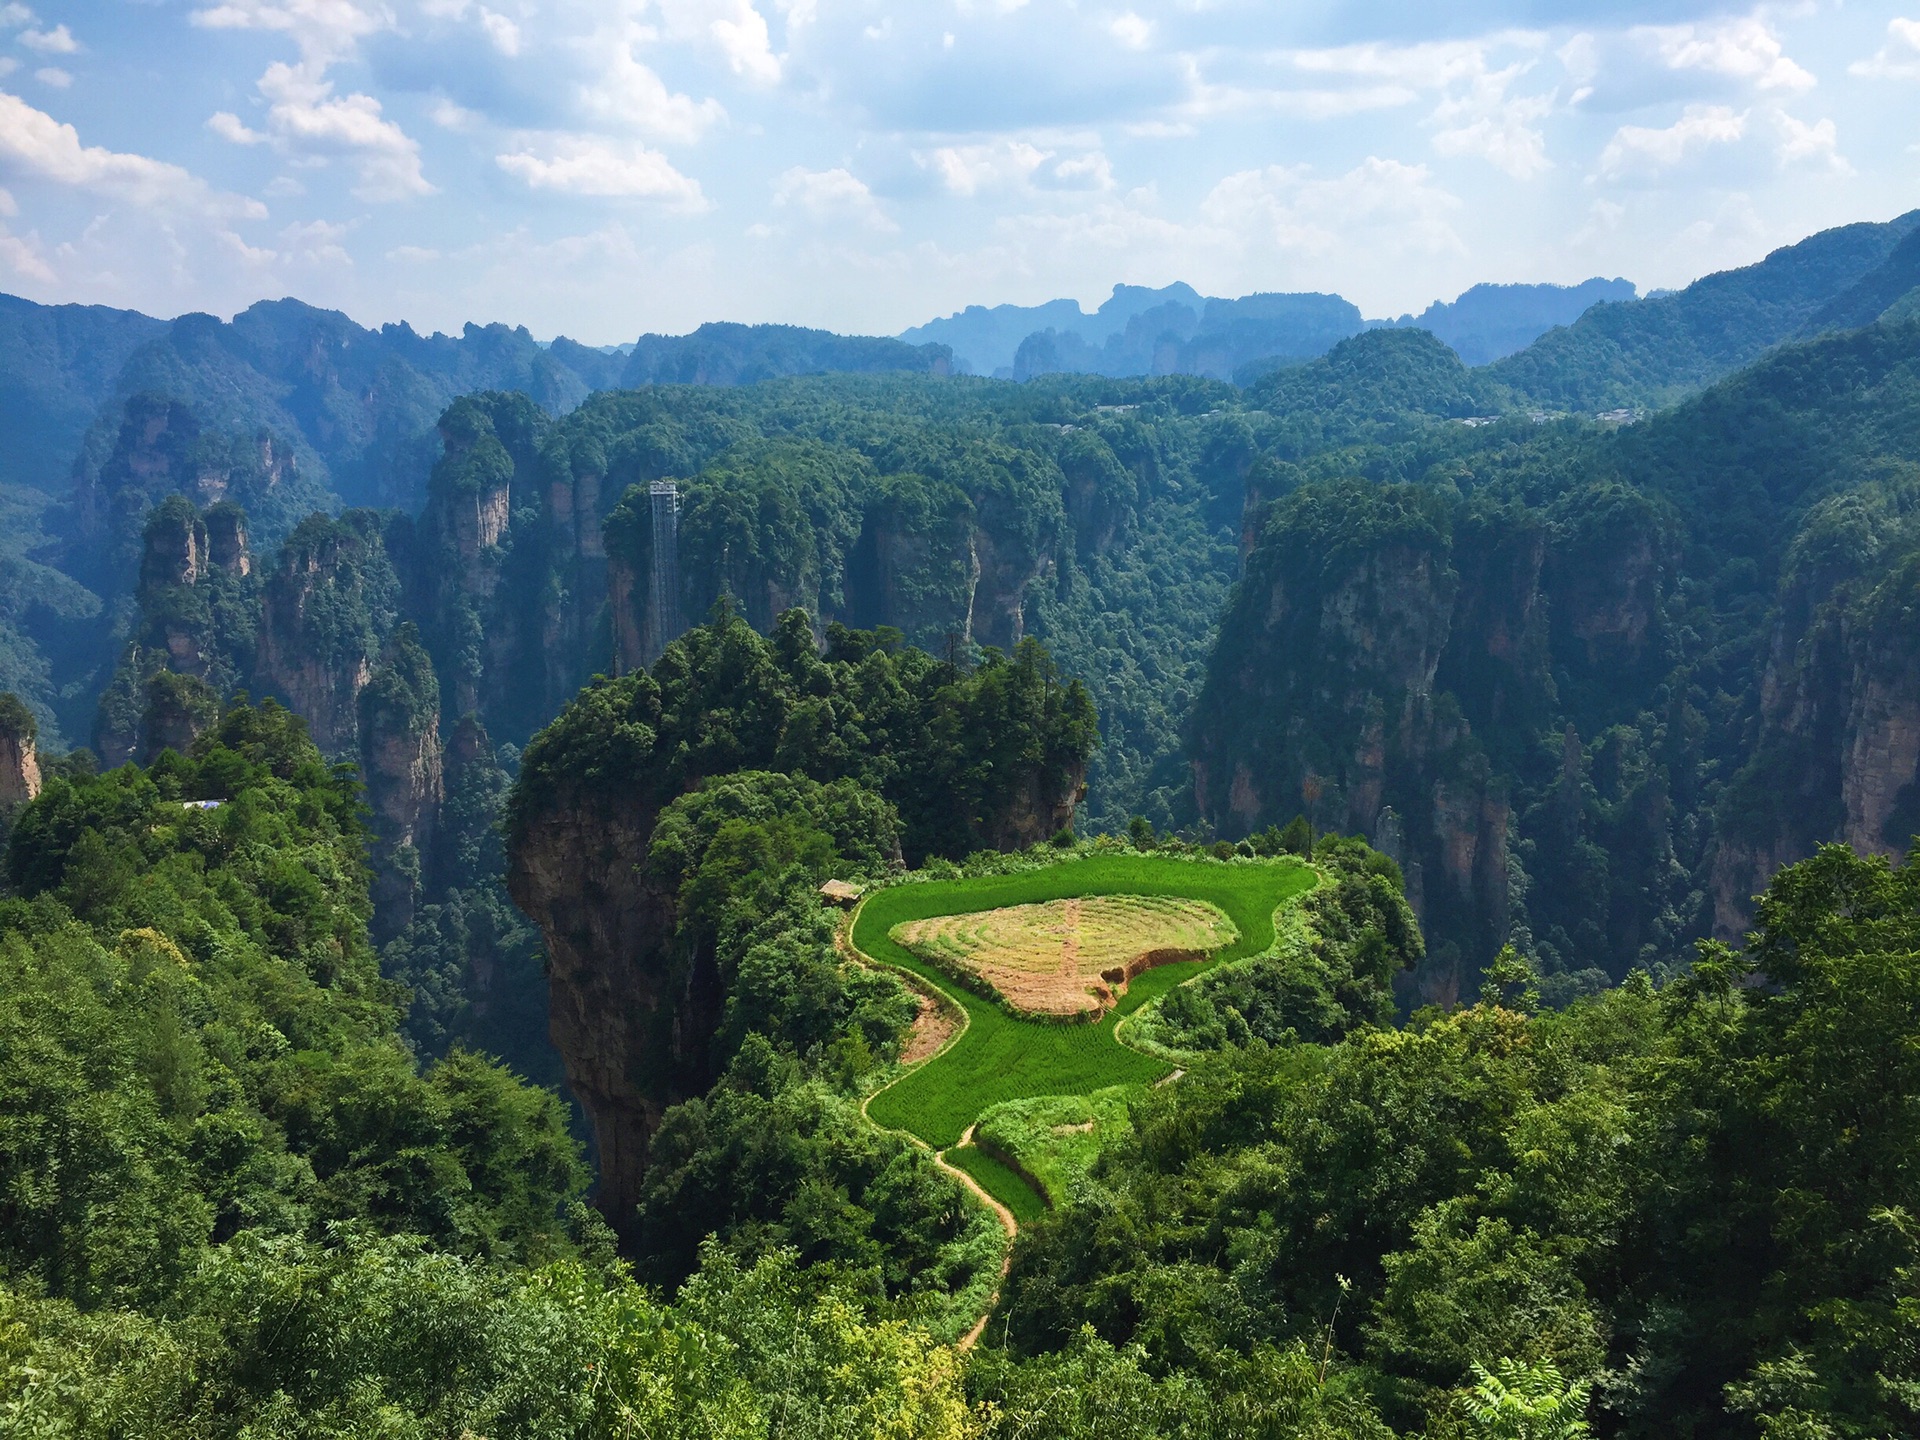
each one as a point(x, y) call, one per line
point(664, 622)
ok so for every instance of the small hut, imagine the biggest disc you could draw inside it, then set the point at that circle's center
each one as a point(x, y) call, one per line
point(840, 892)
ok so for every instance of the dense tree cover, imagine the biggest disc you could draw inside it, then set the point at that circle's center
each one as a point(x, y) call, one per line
point(1625, 658)
point(963, 754)
point(1696, 1199)
point(1094, 515)
point(1332, 972)
point(1651, 352)
point(199, 1043)
point(371, 1336)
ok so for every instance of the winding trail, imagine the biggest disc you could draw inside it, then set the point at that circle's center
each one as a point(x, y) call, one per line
point(1007, 1223)
point(935, 994)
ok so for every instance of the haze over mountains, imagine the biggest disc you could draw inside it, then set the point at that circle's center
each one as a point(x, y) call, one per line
point(1176, 330)
point(59, 364)
point(286, 409)
point(407, 743)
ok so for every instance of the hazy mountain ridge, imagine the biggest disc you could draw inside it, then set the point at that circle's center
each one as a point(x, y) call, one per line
point(1175, 329)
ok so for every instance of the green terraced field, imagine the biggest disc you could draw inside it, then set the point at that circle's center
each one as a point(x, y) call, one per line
point(1000, 1057)
point(997, 1180)
point(1056, 1138)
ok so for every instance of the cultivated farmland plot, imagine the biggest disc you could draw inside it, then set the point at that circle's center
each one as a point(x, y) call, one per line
point(1002, 1055)
point(1068, 958)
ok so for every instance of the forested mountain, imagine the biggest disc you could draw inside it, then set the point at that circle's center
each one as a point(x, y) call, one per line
point(1651, 352)
point(743, 354)
point(537, 763)
point(1591, 687)
point(1138, 331)
point(1490, 321)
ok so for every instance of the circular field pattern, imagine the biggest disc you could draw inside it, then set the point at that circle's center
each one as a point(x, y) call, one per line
point(1070, 957)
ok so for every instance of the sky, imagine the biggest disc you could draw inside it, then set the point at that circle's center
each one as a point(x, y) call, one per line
point(604, 168)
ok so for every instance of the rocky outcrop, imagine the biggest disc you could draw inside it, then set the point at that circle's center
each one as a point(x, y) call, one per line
point(632, 1026)
point(227, 547)
point(1881, 762)
point(1387, 663)
point(328, 605)
point(1837, 750)
point(19, 761)
point(180, 709)
point(400, 761)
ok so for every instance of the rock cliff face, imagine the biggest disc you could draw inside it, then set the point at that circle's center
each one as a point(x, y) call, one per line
point(331, 599)
point(993, 758)
point(195, 619)
point(19, 761)
point(1386, 665)
point(400, 760)
point(632, 1027)
point(180, 709)
point(1836, 754)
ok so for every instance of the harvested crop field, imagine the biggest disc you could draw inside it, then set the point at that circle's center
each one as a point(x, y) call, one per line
point(1073, 956)
point(1006, 1056)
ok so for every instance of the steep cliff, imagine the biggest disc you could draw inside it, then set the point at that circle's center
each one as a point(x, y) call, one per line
point(328, 605)
point(1322, 700)
point(19, 761)
point(994, 757)
point(196, 619)
point(400, 763)
point(1836, 750)
point(164, 447)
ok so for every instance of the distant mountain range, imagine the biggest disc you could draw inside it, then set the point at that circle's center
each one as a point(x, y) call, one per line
point(1177, 330)
point(353, 409)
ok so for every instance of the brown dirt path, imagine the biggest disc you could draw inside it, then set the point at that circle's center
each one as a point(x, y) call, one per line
point(1007, 1223)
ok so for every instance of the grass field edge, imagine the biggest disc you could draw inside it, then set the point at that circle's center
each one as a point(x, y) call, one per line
point(922, 976)
point(1124, 1025)
point(914, 981)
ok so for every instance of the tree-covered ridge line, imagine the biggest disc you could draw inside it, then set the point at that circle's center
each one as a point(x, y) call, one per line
point(1492, 1212)
point(1099, 516)
point(200, 1043)
point(1652, 1191)
point(744, 761)
point(1590, 687)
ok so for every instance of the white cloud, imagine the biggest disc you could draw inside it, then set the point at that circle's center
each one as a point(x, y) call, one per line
point(830, 195)
point(34, 143)
point(449, 116)
point(1131, 31)
point(1091, 171)
point(228, 126)
point(1501, 129)
point(1743, 49)
point(734, 27)
point(1818, 144)
point(326, 30)
point(970, 169)
point(1898, 59)
point(413, 254)
point(1291, 209)
point(57, 41)
point(315, 242)
point(504, 34)
point(1639, 147)
point(53, 76)
point(23, 257)
point(306, 119)
point(628, 93)
point(589, 165)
